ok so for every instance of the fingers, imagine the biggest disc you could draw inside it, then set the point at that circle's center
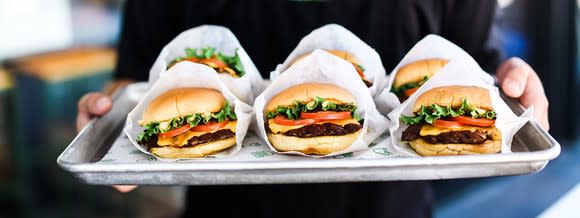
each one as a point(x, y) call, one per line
point(513, 76)
point(125, 188)
point(518, 80)
point(91, 105)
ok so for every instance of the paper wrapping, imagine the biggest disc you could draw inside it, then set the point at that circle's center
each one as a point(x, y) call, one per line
point(221, 38)
point(432, 46)
point(336, 37)
point(323, 67)
point(188, 74)
point(460, 71)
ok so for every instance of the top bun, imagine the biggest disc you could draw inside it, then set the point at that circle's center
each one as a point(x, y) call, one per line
point(341, 54)
point(182, 102)
point(306, 93)
point(417, 70)
point(453, 96)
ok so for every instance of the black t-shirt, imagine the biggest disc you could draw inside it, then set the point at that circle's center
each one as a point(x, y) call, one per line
point(269, 30)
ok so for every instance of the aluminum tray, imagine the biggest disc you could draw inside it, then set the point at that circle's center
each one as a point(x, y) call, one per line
point(93, 158)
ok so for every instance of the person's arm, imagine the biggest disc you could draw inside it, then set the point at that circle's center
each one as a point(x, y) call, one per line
point(468, 23)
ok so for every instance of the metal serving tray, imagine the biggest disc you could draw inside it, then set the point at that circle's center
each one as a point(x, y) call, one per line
point(101, 154)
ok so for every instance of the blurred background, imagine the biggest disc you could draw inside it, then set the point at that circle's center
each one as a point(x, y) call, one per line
point(54, 51)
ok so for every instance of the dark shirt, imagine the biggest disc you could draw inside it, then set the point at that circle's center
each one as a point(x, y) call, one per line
point(269, 30)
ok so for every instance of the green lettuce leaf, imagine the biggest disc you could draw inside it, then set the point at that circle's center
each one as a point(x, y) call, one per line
point(318, 104)
point(400, 91)
point(193, 120)
point(361, 67)
point(428, 114)
point(233, 62)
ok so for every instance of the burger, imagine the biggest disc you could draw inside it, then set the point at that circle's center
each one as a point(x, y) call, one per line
point(411, 76)
point(188, 123)
point(453, 120)
point(312, 118)
point(209, 56)
point(348, 57)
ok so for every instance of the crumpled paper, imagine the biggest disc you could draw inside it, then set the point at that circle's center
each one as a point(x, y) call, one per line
point(432, 46)
point(460, 71)
point(323, 67)
point(188, 74)
point(336, 37)
point(221, 38)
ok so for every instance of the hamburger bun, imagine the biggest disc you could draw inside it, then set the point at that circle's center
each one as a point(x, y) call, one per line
point(306, 92)
point(417, 70)
point(200, 150)
point(181, 102)
point(339, 53)
point(425, 149)
point(453, 96)
point(321, 145)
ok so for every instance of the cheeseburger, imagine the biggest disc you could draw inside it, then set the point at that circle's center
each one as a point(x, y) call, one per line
point(453, 120)
point(411, 76)
point(312, 118)
point(188, 123)
point(348, 57)
point(231, 65)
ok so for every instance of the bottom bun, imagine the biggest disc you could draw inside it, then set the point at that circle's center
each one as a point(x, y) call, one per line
point(426, 149)
point(200, 150)
point(321, 145)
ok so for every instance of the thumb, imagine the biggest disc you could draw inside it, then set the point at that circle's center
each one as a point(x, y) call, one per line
point(95, 103)
point(513, 76)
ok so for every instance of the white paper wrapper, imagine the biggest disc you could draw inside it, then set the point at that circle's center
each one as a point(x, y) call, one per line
point(323, 67)
point(334, 36)
point(432, 46)
point(221, 38)
point(460, 71)
point(187, 74)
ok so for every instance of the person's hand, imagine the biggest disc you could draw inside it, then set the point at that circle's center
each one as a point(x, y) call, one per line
point(97, 104)
point(92, 105)
point(518, 80)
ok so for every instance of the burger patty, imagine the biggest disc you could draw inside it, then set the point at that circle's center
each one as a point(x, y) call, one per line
point(402, 98)
point(210, 137)
point(367, 83)
point(196, 140)
point(453, 137)
point(324, 129)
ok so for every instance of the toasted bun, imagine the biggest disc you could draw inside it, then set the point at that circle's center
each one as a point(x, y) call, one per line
point(417, 70)
point(196, 151)
point(341, 54)
point(181, 102)
point(425, 149)
point(321, 145)
point(306, 93)
point(453, 96)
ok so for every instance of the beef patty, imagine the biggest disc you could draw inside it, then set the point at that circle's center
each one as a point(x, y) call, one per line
point(324, 129)
point(196, 140)
point(453, 137)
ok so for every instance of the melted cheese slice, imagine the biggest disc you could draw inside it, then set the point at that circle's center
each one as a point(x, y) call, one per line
point(181, 139)
point(433, 130)
point(279, 129)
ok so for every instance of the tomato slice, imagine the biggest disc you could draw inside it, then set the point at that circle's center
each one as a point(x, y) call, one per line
point(192, 59)
point(326, 115)
point(175, 132)
point(281, 120)
point(215, 63)
point(474, 121)
point(210, 126)
point(358, 70)
point(447, 124)
point(410, 91)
